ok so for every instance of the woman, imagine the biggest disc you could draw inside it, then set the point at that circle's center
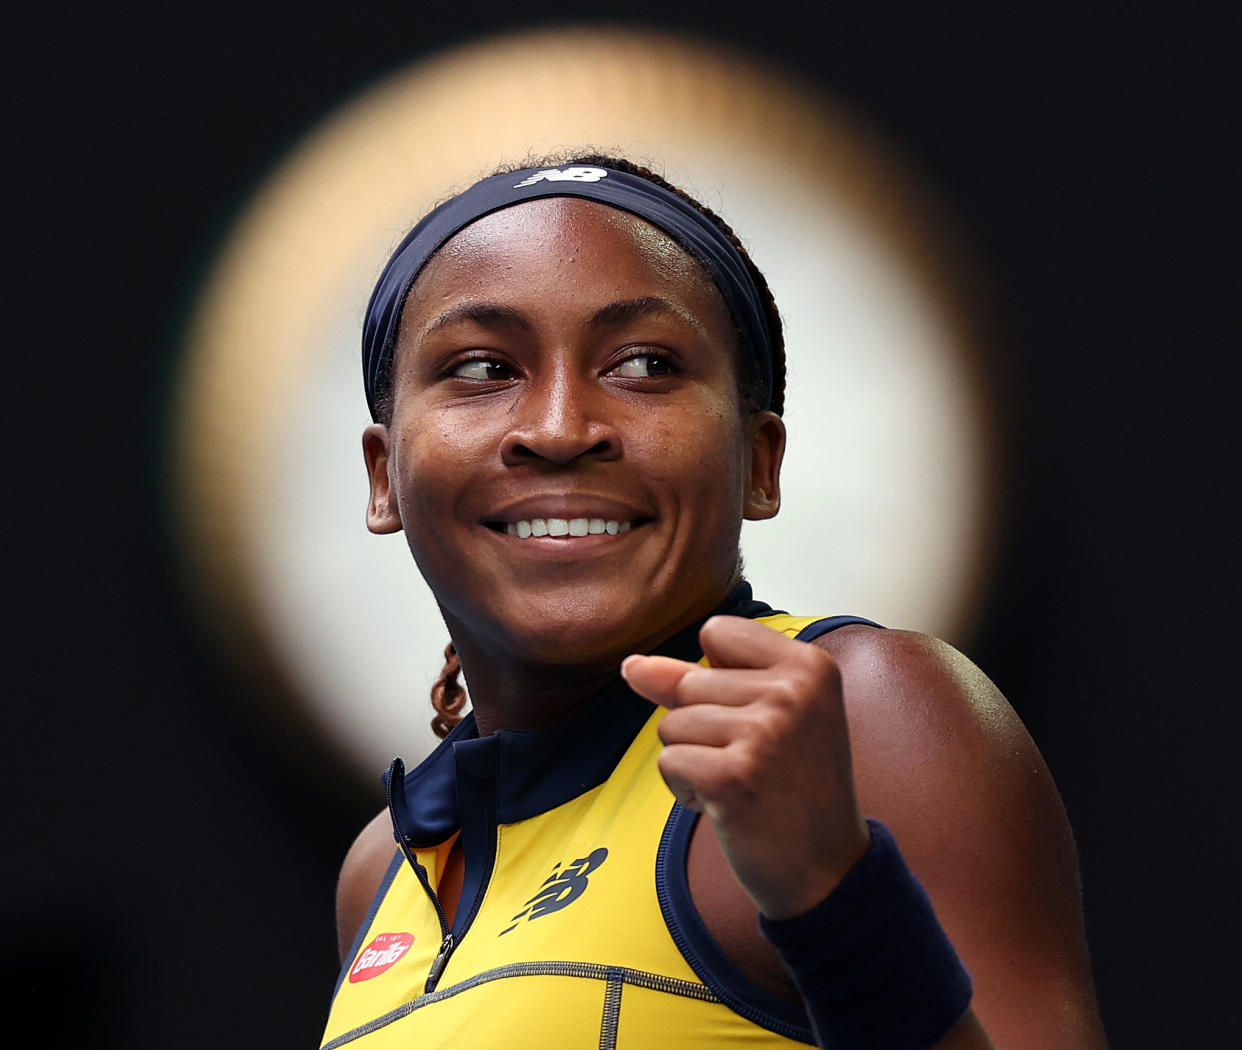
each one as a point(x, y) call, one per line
point(576, 377)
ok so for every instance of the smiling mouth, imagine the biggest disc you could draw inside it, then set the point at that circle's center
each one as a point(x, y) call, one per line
point(558, 527)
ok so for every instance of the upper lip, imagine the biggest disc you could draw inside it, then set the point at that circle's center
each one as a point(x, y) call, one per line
point(566, 506)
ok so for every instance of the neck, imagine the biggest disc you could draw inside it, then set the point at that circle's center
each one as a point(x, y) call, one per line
point(517, 694)
point(510, 689)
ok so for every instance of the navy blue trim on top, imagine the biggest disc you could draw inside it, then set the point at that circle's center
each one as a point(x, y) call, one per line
point(365, 928)
point(697, 946)
point(534, 772)
point(830, 623)
point(476, 792)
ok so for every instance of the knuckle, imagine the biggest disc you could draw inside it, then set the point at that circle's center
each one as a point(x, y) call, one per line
point(668, 728)
point(692, 686)
point(739, 773)
point(826, 667)
point(765, 734)
point(786, 699)
point(669, 766)
point(788, 691)
point(821, 664)
point(816, 674)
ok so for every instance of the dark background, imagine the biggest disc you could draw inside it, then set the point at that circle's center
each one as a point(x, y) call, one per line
point(169, 874)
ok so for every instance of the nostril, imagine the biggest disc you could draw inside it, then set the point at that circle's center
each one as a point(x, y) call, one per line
point(561, 448)
point(523, 450)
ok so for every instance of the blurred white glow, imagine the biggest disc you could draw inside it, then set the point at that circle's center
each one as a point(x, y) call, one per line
point(886, 475)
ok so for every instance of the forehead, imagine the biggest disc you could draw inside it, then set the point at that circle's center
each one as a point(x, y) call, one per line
point(556, 245)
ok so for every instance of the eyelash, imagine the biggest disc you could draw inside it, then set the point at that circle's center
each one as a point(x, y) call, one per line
point(454, 372)
point(655, 358)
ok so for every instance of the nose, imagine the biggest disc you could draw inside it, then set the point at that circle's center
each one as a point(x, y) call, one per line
point(558, 419)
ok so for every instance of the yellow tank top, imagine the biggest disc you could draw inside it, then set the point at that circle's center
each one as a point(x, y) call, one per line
point(575, 926)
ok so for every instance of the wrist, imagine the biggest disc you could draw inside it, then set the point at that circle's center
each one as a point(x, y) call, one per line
point(815, 883)
point(871, 961)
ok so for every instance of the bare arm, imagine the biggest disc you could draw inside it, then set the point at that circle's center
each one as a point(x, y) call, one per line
point(944, 761)
point(937, 755)
point(361, 874)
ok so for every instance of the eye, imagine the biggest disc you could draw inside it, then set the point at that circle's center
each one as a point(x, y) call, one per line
point(483, 368)
point(644, 366)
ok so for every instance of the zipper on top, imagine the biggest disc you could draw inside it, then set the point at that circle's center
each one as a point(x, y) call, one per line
point(475, 795)
point(399, 813)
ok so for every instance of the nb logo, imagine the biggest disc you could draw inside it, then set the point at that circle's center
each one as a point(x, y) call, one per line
point(564, 175)
point(561, 888)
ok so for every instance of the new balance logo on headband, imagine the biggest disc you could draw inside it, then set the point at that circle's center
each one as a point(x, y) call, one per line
point(565, 175)
point(676, 217)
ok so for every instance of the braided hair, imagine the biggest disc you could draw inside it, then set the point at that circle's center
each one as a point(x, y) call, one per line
point(448, 695)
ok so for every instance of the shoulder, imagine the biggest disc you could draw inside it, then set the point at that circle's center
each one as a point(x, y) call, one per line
point(904, 691)
point(941, 757)
point(362, 871)
point(933, 741)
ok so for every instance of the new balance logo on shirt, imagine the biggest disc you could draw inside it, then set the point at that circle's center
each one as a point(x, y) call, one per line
point(561, 888)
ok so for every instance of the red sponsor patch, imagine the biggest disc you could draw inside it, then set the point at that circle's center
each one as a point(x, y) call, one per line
point(379, 955)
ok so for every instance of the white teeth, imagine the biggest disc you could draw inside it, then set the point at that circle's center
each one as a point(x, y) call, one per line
point(565, 527)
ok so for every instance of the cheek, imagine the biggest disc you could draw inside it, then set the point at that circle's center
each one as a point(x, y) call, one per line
point(427, 459)
point(706, 458)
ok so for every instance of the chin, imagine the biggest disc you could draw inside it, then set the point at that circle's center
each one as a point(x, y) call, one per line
point(574, 627)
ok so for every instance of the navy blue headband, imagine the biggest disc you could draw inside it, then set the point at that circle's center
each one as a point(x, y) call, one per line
point(684, 223)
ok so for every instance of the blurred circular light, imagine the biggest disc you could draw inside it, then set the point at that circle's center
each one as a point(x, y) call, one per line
point(889, 479)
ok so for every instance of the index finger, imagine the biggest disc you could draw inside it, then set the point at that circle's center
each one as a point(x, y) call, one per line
point(656, 677)
point(677, 683)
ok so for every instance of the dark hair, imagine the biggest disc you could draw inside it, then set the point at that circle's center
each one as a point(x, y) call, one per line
point(448, 696)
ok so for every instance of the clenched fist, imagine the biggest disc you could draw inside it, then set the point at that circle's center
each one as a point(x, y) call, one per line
point(758, 743)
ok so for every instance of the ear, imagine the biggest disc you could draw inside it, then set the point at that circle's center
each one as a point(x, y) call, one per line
point(383, 514)
point(767, 451)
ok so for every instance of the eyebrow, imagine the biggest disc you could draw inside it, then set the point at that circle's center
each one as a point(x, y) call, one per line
point(488, 315)
point(499, 316)
point(625, 310)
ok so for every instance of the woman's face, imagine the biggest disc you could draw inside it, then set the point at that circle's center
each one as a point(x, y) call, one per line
point(564, 365)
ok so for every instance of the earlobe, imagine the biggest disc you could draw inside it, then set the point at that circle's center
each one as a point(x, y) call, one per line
point(383, 514)
point(767, 451)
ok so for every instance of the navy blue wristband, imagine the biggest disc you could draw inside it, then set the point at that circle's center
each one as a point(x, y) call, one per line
point(873, 966)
